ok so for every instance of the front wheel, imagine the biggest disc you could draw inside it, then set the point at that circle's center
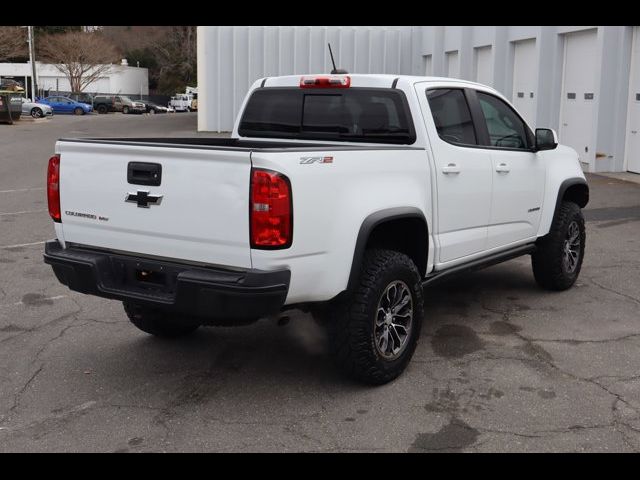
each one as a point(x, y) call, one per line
point(558, 259)
point(374, 330)
point(78, 111)
point(152, 111)
point(36, 112)
point(158, 322)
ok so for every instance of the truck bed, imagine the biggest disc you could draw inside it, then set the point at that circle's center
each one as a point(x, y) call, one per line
point(235, 144)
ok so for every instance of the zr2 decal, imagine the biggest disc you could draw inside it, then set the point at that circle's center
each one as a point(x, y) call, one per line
point(310, 160)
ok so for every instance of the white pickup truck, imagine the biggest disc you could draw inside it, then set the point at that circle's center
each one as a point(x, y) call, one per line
point(342, 195)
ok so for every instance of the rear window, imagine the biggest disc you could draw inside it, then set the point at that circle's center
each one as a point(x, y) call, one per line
point(355, 114)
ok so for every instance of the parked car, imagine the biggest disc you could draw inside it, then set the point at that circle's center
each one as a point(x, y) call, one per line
point(81, 97)
point(117, 103)
point(66, 105)
point(35, 109)
point(340, 195)
point(152, 107)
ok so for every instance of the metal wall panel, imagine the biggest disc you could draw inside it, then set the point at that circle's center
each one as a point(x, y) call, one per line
point(231, 58)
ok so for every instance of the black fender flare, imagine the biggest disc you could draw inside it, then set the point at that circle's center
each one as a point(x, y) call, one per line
point(564, 186)
point(369, 224)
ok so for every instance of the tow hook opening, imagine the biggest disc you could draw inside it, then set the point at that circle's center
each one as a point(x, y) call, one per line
point(150, 276)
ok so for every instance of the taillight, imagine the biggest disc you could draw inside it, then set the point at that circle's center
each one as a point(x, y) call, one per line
point(271, 210)
point(53, 188)
point(325, 82)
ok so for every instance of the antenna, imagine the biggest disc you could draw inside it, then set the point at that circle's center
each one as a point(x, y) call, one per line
point(335, 70)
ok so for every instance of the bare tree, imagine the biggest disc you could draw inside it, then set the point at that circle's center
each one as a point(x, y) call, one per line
point(177, 56)
point(169, 52)
point(13, 42)
point(82, 57)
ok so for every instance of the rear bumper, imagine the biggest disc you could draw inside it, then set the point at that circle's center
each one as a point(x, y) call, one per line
point(208, 293)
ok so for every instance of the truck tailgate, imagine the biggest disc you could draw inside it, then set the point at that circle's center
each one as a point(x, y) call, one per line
point(202, 215)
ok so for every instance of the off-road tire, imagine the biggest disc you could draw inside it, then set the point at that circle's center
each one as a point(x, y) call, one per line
point(351, 323)
point(549, 267)
point(158, 322)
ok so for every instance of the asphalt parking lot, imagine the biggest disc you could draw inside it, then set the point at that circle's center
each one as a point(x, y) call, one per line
point(501, 365)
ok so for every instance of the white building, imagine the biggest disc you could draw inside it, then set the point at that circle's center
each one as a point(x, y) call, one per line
point(119, 79)
point(583, 81)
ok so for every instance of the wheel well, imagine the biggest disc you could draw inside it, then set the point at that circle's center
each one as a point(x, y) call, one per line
point(577, 193)
point(403, 229)
point(406, 235)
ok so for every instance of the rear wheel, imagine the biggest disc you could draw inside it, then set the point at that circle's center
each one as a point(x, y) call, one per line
point(78, 111)
point(558, 258)
point(374, 330)
point(152, 111)
point(36, 112)
point(159, 322)
point(125, 110)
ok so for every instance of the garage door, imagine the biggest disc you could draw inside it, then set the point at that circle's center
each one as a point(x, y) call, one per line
point(578, 95)
point(453, 66)
point(525, 76)
point(633, 118)
point(484, 65)
point(428, 65)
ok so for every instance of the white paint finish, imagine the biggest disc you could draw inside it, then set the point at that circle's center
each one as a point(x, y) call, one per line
point(204, 211)
point(325, 230)
point(579, 77)
point(463, 199)
point(452, 64)
point(561, 163)
point(483, 65)
point(518, 190)
point(633, 114)
point(525, 77)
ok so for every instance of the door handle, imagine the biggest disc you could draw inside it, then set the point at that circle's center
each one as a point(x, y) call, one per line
point(451, 168)
point(502, 168)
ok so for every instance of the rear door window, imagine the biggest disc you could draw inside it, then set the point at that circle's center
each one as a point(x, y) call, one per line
point(452, 116)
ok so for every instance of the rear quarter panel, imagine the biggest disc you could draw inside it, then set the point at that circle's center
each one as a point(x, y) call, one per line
point(330, 203)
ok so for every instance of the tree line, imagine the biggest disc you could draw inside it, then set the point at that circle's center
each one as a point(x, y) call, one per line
point(83, 54)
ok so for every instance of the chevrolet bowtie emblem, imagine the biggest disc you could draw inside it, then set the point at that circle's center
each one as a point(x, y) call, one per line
point(143, 199)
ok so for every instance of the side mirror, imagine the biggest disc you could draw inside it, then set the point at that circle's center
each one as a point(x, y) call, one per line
point(546, 139)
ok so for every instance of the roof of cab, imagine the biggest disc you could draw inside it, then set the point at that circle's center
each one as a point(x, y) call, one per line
point(366, 80)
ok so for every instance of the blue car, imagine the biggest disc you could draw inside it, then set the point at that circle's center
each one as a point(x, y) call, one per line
point(66, 105)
